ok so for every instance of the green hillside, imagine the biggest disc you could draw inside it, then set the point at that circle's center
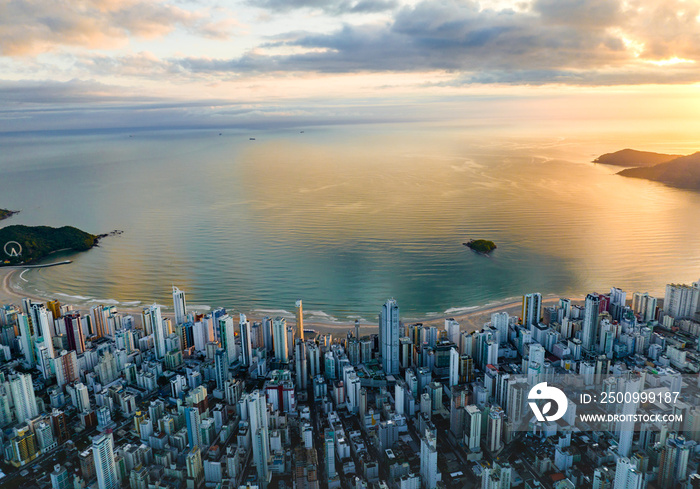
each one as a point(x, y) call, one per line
point(39, 241)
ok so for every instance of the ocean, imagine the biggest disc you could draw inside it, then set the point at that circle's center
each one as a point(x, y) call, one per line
point(346, 217)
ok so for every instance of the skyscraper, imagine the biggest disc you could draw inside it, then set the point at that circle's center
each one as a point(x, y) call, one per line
point(389, 337)
point(626, 475)
point(43, 327)
point(279, 337)
point(228, 337)
point(673, 461)
point(246, 344)
point(532, 309)
point(221, 365)
point(329, 448)
point(681, 301)
point(103, 454)
point(193, 420)
point(156, 320)
point(257, 417)
point(454, 367)
point(300, 320)
point(300, 361)
point(590, 321)
point(428, 461)
point(26, 339)
point(180, 306)
point(23, 396)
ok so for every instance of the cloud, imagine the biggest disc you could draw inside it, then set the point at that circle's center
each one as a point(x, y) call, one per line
point(29, 27)
point(333, 7)
point(555, 41)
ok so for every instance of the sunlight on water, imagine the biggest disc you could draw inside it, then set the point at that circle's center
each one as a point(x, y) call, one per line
point(347, 217)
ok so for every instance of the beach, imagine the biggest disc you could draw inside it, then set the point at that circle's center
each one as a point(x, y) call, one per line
point(472, 320)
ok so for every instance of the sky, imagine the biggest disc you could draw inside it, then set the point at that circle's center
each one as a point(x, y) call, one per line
point(86, 64)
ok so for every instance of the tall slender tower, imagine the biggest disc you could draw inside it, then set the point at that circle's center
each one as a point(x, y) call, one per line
point(106, 469)
point(300, 320)
point(246, 344)
point(279, 337)
point(590, 321)
point(158, 330)
point(179, 305)
point(40, 316)
point(389, 337)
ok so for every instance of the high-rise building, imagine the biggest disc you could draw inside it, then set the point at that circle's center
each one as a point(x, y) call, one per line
point(66, 366)
point(673, 460)
point(682, 301)
point(60, 478)
point(180, 306)
point(279, 336)
point(452, 329)
point(472, 427)
point(258, 422)
point(43, 326)
point(227, 336)
point(454, 367)
point(590, 321)
point(26, 339)
point(389, 337)
point(300, 364)
point(495, 428)
point(428, 461)
point(105, 467)
point(300, 320)
point(329, 449)
point(498, 476)
point(74, 332)
point(23, 396)
point(626, 475)
point(193, 421)
point(246, 344)
point(156, 320)
point(221, 365)
point(532, 309)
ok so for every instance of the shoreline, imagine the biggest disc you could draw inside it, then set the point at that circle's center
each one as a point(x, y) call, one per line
point(471, 320)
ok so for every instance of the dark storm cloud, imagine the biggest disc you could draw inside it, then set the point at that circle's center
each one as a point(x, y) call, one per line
point(568, 41)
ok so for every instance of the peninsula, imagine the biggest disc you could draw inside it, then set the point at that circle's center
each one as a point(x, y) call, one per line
point(5, 214)
point(37, 242)
point(673, 170)
point(632, 158)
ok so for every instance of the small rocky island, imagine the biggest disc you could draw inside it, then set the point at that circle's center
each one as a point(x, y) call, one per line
point(482, 246)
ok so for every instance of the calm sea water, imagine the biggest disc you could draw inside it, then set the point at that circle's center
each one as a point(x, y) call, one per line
point(347, 217)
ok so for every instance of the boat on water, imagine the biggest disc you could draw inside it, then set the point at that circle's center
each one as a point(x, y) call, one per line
point(252, 139)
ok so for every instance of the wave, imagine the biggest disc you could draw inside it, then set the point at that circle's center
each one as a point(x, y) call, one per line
point(198, 307)
point(460, 310)
point(109, 302)
point(281, 312)
point(76, 297)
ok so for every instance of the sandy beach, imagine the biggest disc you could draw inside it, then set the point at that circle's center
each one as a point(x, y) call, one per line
point(472, 320)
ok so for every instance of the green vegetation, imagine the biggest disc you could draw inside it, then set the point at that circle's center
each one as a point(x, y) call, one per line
point(4, 214)
point(39, 241)
point(683, 172)
point(481, 245)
